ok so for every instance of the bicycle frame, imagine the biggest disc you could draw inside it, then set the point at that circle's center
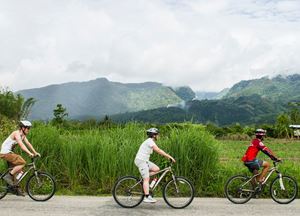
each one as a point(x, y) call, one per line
point(31, 167)
point(270, 172)
point(164, 171)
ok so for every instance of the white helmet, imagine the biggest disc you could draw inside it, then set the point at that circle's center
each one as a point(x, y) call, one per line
point(25, 123)
point(152, 131)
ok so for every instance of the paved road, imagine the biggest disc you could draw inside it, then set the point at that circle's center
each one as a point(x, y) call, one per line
point(96, 206)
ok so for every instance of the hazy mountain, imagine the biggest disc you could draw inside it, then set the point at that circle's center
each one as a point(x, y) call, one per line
point(204, 95)
point(279, 88)
point(247, 102)
point(99, 97)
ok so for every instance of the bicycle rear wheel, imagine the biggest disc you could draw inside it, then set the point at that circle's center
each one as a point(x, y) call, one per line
point(3, 187)
point(239, 189)
point(179, 193)
point(40, 187)
point(128, 191)
point(286, 194)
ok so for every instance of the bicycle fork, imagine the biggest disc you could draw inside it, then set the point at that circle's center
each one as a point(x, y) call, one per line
point(281, 181)
point(174, 179)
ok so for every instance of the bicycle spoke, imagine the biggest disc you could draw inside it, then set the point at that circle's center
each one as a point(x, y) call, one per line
point(128, 192)
point(285, 194)
point(41, 187)
point(3, 188)
point(179, 193)
point(239, 189)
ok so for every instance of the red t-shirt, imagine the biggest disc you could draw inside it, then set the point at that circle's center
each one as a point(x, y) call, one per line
point(255, 146)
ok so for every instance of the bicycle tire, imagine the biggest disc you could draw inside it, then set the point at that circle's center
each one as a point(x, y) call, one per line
point(128, 188)
point(185, 188)
point(42, 194)
point(235, 196)
point(288, 195)
point(3, 187)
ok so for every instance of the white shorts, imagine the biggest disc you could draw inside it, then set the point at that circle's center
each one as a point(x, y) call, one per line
point(144, 167)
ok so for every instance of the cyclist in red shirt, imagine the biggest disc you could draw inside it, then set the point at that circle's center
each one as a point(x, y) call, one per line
point(250, 159)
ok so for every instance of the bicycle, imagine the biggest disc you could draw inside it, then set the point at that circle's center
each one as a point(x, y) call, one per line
point(40, 186)
point(240, 189)
point(178, 192)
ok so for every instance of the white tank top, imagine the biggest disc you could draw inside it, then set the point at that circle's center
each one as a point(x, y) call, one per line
point(8, 145)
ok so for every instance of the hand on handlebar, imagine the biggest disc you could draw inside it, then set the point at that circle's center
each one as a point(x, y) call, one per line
point(278, 160)
point(172, 160)
point(37, 154)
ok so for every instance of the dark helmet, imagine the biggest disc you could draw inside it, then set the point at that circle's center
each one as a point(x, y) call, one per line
point(152, 131)
point(25, 123)
point(260, 132)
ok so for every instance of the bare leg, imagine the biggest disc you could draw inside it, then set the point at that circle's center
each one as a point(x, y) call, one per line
point(266, 166)
point(255, 180)
point(154, 170)
point(146, 186)
point(16, 169)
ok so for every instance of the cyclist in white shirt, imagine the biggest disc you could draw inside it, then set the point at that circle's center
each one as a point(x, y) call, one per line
point(17, 137)
point(145, 166)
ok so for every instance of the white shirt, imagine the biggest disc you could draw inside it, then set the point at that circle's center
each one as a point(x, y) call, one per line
point(145, 150)
point(8, 145)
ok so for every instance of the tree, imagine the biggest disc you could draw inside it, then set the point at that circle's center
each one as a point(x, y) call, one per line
point(26, 108)
point(282, 126)
point(10, 104)
point(294, 112)
point(59, 114)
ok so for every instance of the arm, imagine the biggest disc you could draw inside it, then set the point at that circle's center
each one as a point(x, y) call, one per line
point(22, 145)
point(161, 152)
point(267, 151)
point(30, 146)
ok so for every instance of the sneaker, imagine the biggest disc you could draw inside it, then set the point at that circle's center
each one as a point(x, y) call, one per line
point(258, 188)
point(149, 199)
point(9, 179)
point(19, 192)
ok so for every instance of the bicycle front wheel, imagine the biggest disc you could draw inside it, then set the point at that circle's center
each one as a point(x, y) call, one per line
point(239, 189)
point(284, 191)
point(179, 193)
point(40, 187)
point(3, 187)
point(128, 191)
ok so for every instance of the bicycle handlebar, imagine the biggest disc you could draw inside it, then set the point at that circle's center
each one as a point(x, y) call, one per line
point(35, 157)
point(275, 162)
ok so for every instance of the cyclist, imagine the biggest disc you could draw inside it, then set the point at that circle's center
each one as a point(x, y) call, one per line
point(146, 167)
point(252, 162)
point(17, 162)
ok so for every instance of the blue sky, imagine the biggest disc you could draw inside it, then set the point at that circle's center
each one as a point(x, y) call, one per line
point(208, 45)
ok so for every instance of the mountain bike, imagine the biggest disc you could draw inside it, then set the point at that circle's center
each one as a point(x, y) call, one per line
point(240, 189)
point(178, 192)
point(40, 186)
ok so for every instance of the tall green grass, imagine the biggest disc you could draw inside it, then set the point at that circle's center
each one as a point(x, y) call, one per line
point(89, 161)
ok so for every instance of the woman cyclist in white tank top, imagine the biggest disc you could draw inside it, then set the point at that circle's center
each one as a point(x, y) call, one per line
point(17, 137)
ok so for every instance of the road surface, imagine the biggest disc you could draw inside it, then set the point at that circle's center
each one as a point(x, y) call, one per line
point(96, 206)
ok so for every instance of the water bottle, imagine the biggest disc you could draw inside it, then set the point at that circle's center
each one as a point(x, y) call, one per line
point(19, 175)
point(153, 182)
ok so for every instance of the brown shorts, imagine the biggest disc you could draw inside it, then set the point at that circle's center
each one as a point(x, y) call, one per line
point(13, 158)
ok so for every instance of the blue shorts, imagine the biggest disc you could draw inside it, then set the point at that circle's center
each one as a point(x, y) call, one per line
point(253, 165)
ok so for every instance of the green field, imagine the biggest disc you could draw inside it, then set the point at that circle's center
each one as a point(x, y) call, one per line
point(88, 161)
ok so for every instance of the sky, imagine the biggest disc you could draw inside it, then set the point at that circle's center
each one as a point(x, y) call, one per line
point(207, 45)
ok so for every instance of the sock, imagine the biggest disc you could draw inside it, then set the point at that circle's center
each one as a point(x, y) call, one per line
point(146, 195)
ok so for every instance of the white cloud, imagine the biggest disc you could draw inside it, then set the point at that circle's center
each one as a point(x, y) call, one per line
point(208, 45)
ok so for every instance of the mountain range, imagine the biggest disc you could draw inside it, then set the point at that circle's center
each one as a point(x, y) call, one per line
point(96, 98)
point(247, 102)
point(255, 101)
